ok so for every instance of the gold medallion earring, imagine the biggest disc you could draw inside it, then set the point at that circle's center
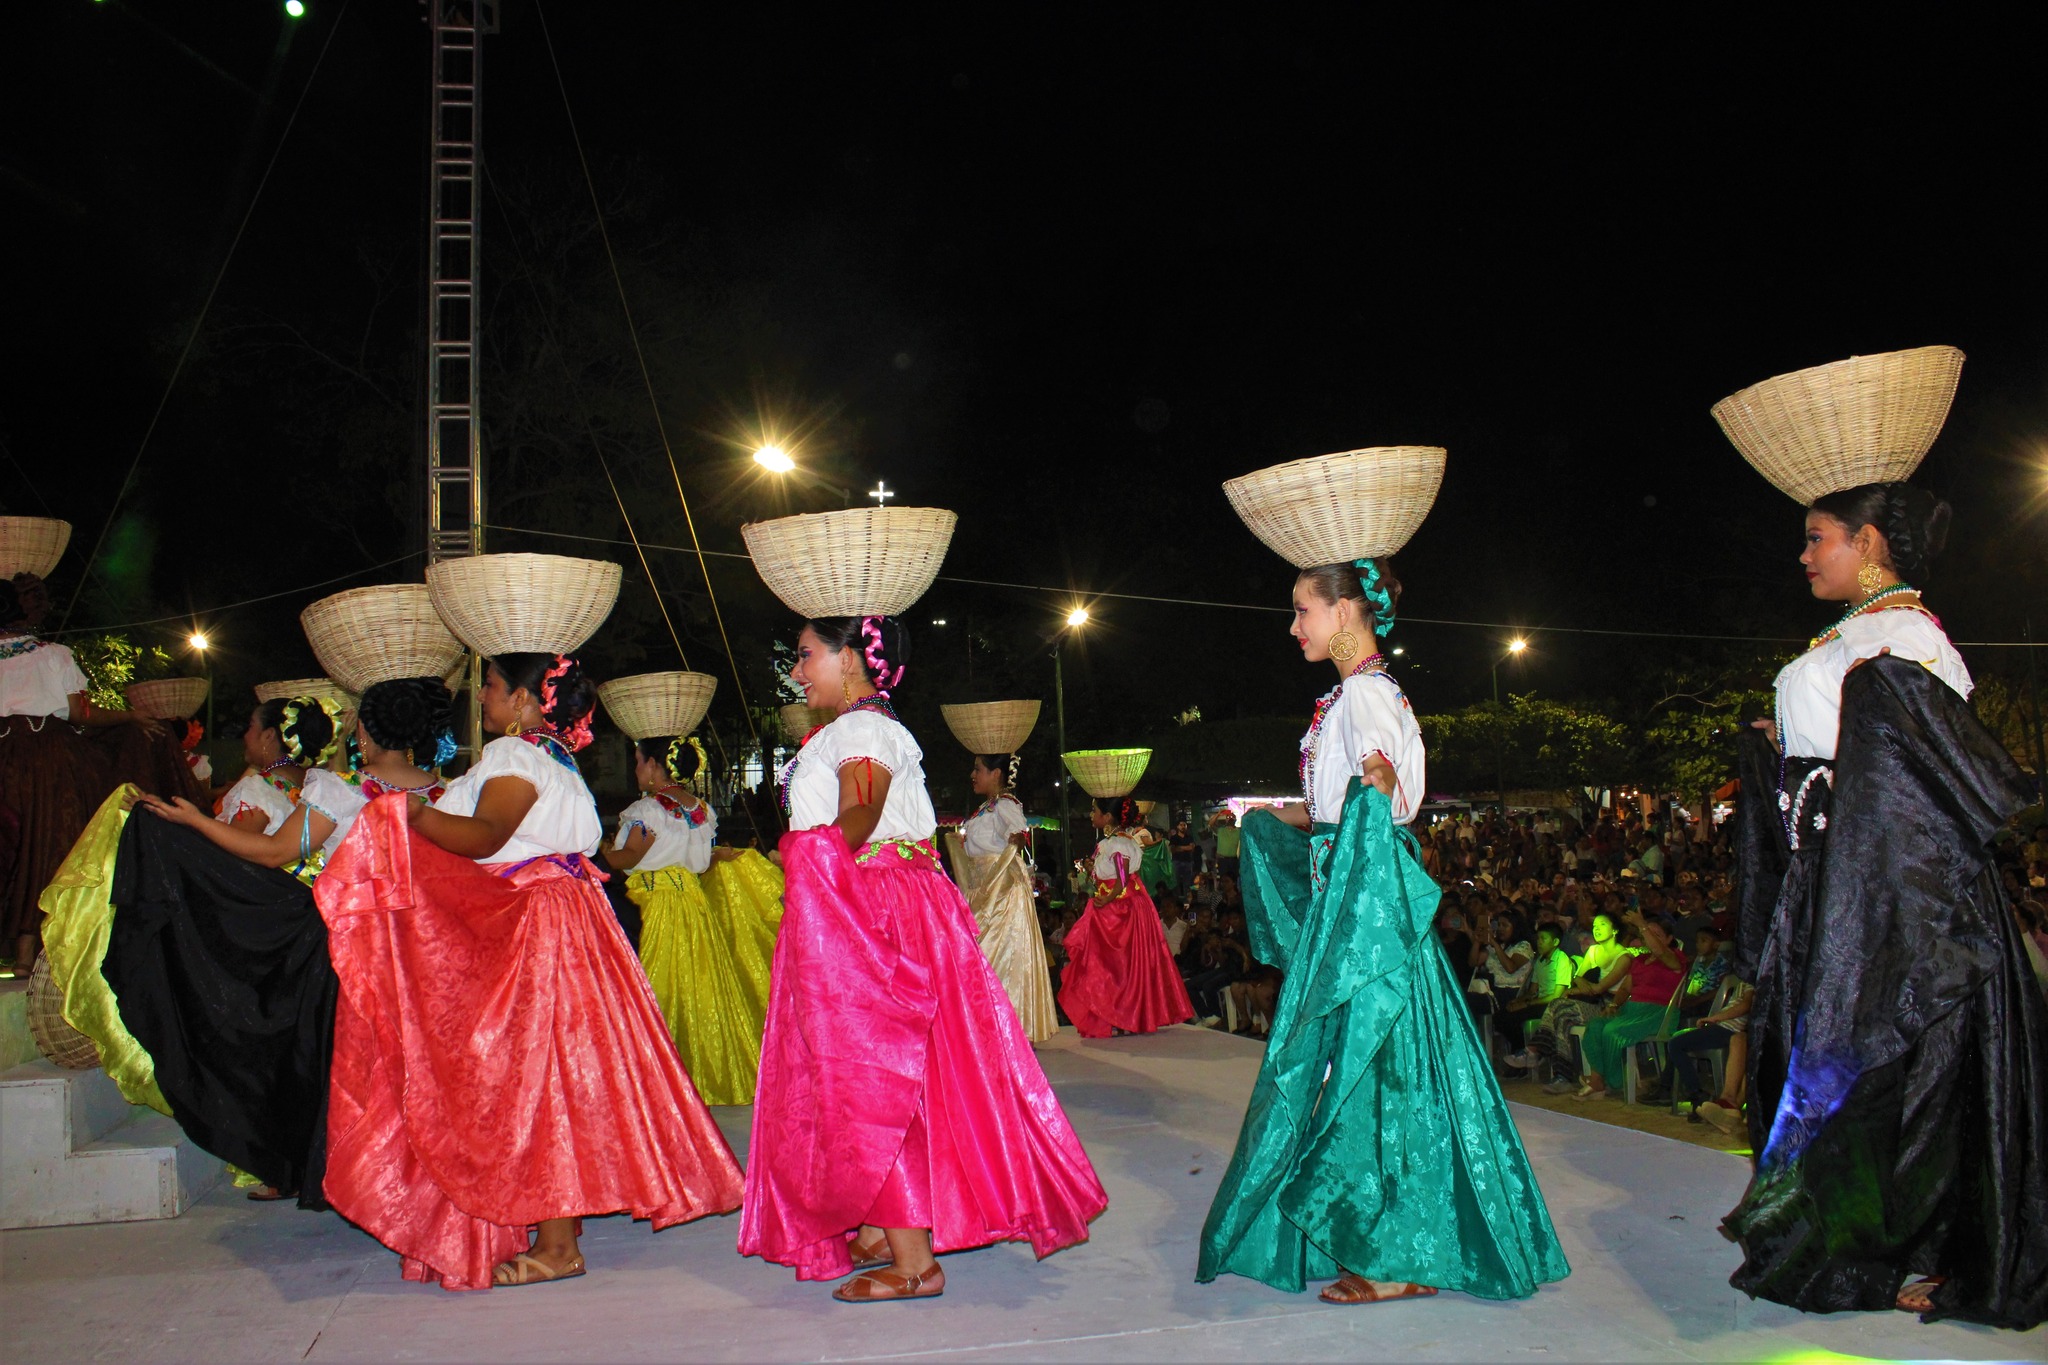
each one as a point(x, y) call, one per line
point(1343, 646)
point(1870, 578)
point(514, 730)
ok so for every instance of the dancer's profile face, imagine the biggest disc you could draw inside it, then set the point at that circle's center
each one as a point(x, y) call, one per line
point(1834, 553)
point(985, 780)
point(820, 672)
point(1316, 620)
point(1098, 817)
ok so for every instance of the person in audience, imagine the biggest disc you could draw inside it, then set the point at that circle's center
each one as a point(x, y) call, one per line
point(1549, 976)
point(1599, 978)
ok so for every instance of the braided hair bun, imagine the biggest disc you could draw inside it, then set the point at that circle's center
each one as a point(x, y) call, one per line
point(847, 632)
point(682, 761)
point(306, 729)
point(575, 693)
point(407, 713)
point(1122, 810)
point(1913, 521)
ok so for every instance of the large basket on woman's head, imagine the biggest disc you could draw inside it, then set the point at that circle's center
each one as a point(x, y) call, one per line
point(1333, 509)
point(339, 699)
point(1107, 772)
point(647, 705)
point(370, 635)
point(523, 604)
point(863, 561)
point(799, 720)
point(1867, 419)
point(32, 545)
point(167, 698)
point(991, 727)
point(53, 1034)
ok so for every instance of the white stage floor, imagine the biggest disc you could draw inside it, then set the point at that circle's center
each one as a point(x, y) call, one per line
point(235, 1281)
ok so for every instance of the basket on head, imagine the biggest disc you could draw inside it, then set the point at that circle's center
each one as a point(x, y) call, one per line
point(646, 705)
point(1333, 509)
point(523, 604)
point(167, 698)
point(32, 545)
point(1867, 419)
point(799, 720)
point(1145, 809)
point(54, 1036)
point(991, 727)
point(337, 697)
point(863, 561)
point(370, 635)
point(1107, 772)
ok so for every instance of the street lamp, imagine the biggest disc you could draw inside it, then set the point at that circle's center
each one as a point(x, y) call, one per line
point(1076, 619)
point(1500, 764)
point(776, 460)
point(197, 639)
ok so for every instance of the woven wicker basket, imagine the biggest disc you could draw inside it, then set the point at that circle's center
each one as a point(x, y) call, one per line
point(32, 545)
point(54, 1037)
point(1107, 772)
point(338, 698)
point(647, 705)
point(1332, 509)
point(1868, 419)
point(1145, 809)
point(864, 561)
point(799, 720)
point(370, 635)
point(992, 727)
point(524, 604)
point(167, 698)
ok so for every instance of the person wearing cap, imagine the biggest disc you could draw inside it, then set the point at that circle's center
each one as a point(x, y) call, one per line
point(1377, 1148)
point(901, 1113)
point(1898, 1060)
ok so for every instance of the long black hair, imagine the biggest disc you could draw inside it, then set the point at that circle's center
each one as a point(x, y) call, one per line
point(575, 693)
point(1912, 520)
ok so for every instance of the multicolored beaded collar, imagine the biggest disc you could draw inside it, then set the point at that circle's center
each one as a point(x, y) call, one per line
point(554, 746)
point(1876, 602)
point(1371, 663)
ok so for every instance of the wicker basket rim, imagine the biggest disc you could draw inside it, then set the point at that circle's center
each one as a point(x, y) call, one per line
point(1349, 504)
point(365, 636)
point(858, 561)
point(32, 545)
point(167, 698)
point(647, 705)
point(1000, 726)
point(524, 603)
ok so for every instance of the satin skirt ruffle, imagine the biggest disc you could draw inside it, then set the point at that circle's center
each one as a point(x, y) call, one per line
point(708, 964)
point(1120, 973)
point(1377, 1140)
point(498, 1058)
point(78, 918)
point(222, 973)
point(998, 890)
point(894, 1073)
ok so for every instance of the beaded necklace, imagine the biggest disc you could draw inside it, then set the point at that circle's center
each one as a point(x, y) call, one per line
point(555, 747)
point(1866, 607)
point(693, 816)
point(377, 786)
point(286, 787)
point(1371, 663)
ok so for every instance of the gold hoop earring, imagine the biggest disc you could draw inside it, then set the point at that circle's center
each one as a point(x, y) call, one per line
point(1870, 579)
point(1343, 646)
point(514, 730)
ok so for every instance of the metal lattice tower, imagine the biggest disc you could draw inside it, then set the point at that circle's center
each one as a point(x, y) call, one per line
point(455, 463)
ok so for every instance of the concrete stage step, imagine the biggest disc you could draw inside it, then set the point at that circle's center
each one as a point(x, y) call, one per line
point(72, 1150)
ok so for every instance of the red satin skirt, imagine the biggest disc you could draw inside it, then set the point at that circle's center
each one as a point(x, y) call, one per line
point(1120, 974)
point(499, 1058)
point(897, 1087)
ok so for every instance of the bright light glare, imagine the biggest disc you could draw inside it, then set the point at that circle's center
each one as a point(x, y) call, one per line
point(775, 458)
point(197, 641)
point(295, 8)
point(1517, 646)
point(1399, 651)
point(1078, 616)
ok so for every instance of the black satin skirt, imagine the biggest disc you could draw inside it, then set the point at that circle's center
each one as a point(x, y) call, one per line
point(1898, 1043)
point(222, 973)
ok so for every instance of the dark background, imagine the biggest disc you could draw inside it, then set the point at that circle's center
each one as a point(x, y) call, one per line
point(1060, 271)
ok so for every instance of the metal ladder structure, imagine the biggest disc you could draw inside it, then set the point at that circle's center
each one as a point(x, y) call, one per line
point(455, 455)
point(455, 459)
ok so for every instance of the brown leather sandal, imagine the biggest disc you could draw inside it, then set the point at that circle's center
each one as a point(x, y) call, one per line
point(523, 1270)
point(868, 1255)
point(1355, 1289)
point(1918, 1297)
point(882, 1286)
point(269, 1194)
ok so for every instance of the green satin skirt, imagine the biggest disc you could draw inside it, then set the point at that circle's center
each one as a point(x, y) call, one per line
point(1377, 1140)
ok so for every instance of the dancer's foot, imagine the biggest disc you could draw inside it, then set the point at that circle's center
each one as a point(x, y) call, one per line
point(878, 1286)
point(869, 1254)
point(1918, 1297)
point(535, 1267)
point(1350, 1289)
point(269, 1194)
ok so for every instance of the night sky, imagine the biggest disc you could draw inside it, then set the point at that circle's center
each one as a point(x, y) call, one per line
point(1059, 270)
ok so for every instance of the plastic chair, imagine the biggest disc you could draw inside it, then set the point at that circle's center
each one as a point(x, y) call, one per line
point(1717, 1059)
point(1630, 1071)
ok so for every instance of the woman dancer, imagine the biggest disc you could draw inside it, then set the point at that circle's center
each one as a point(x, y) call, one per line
point(218, 955)
point(997, 882)
point(901, 1114)
point(1120, 975)
point(285, 737)
point(709, 971)
point(52, 777)
point(1899, 1056)
point(1377, 1147)
point(500, 1064)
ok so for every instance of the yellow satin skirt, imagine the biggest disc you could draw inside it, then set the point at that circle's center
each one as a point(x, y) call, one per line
point(998, 889)
point(706, 945)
